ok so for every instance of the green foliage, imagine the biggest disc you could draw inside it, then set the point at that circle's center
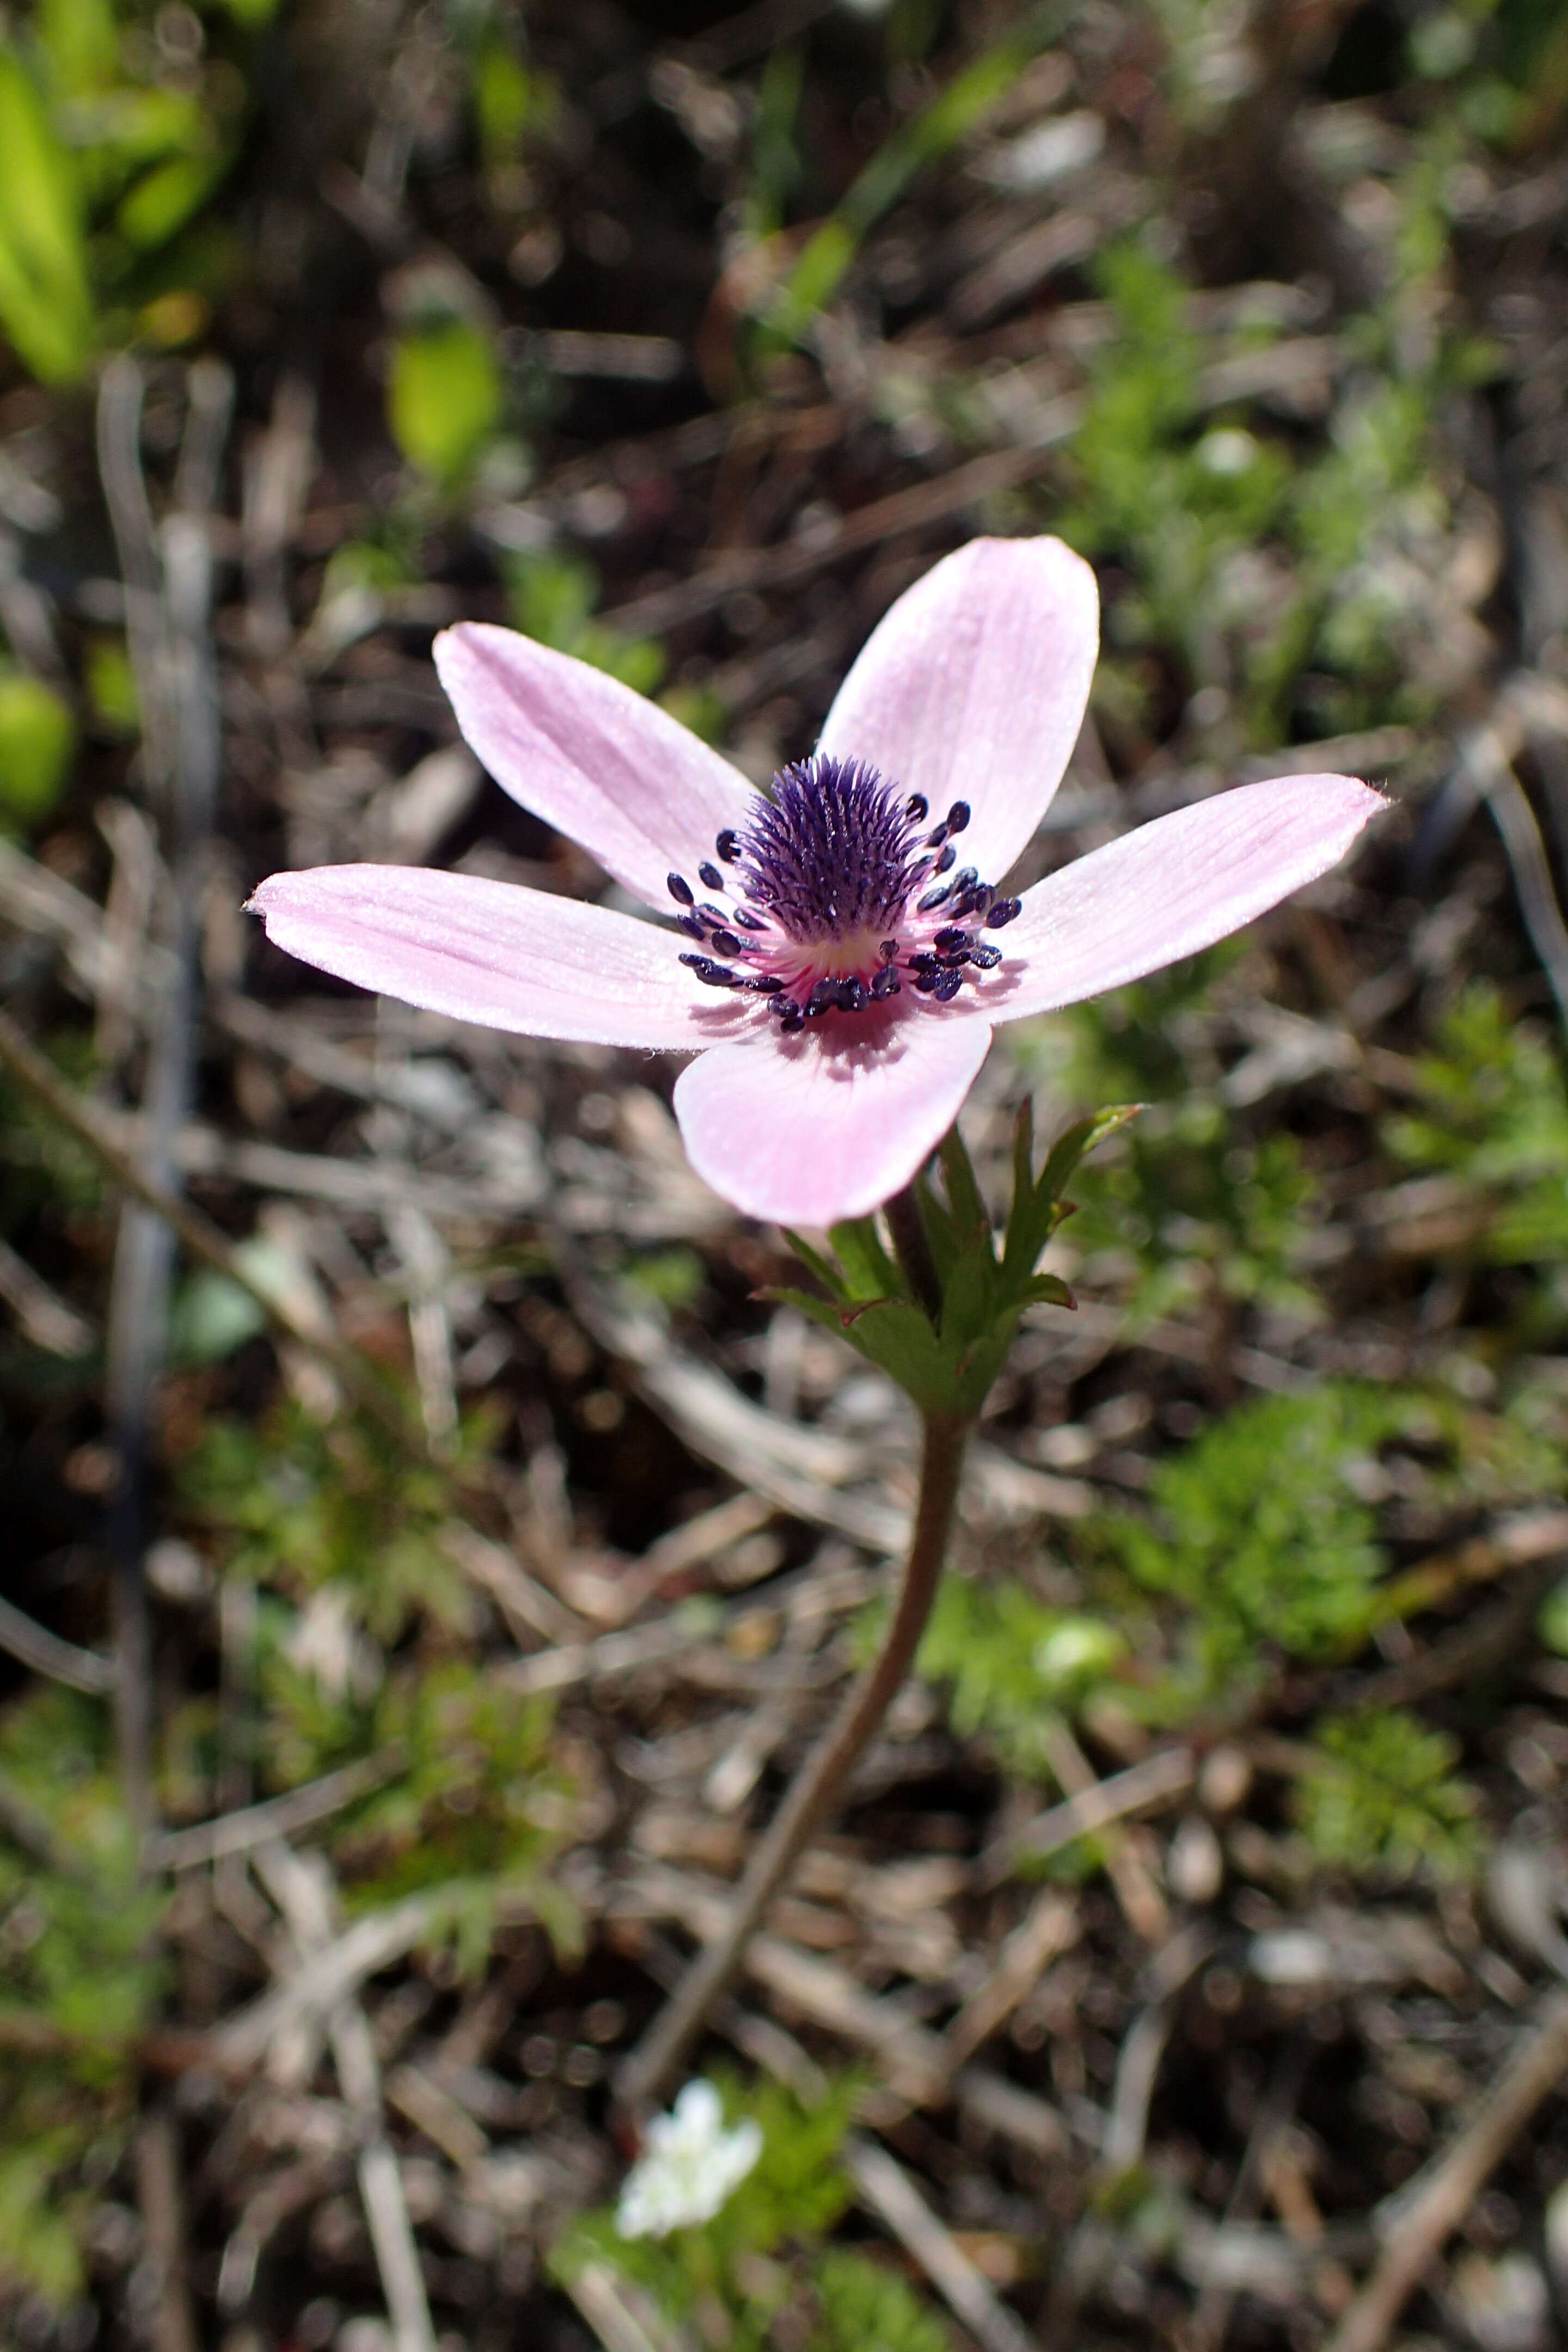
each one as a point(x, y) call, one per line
point(78, 1975)
point(1382, 1799)
point(44, 1172)
point(111, 686)
point(1014, 1665)
point(1174, 501)
point(299, 1505)
point(1493, 1110)
point(106, 157)
point(477, 1807)
point(443, 395)
point(1192, 1205)
point(941, 124)
point(867, 2307)
point(358, 1602)
point(1552, 1622)
point(675, 1277)
point(1257, 567)
point(949, 1366)
point(45, 305)
point(554, 596)
point(760, 2263)
point(210, 1318)
point(1257, 1529)
point(37, 739)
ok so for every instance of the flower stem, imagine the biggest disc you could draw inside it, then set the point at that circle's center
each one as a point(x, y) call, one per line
point(651, 2070)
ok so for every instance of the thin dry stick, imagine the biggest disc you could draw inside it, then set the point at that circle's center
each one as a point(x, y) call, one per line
point(650, 2070)
point(1453, 2183)
point(37, 1077)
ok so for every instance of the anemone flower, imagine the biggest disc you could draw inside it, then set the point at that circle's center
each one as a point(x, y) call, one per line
point(839, 949)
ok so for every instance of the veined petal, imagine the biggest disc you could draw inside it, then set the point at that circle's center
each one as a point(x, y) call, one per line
point(826, 1124)
point(491, 953)
point(1172, 888)
point(972, 688)
point(596, 760)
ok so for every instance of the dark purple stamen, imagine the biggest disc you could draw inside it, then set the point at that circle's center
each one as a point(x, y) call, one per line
point(829, 854)
point(832, 868)
point(711, 974)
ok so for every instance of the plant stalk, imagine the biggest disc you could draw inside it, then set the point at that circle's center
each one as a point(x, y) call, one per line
point(650, 2073)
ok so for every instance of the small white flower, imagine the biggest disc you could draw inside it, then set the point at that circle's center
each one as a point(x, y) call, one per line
point(688, 2168)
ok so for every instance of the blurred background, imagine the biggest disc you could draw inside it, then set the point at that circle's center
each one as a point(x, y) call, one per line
point(421, 1577)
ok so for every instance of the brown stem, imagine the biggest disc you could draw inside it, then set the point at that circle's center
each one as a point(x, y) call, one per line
point(649, 2073)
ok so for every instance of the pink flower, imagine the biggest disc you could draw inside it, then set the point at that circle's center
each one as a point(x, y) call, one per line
point(842, 949)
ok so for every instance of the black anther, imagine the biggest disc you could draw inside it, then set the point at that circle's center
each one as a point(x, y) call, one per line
point(1003, 911)
point(933, 899)
point(679, 889)
point(917, 806)
point(729, 845)
point(958, 816)
point(711, 974)
point(709, 877)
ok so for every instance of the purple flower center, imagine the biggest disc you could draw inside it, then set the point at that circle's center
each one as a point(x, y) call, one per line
point(833, 897)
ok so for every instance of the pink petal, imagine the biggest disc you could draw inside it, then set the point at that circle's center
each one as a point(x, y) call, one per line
point(491, 953)
point(594, 759)
point(1172, 888)
point(972, 688)
point(826, 1125)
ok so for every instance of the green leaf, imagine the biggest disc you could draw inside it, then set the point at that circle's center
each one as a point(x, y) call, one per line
point(37, 739)
point(964, 1197)
point(81, 44)
point(166, 197)
point(1383, 1798)
point(939, 126)
point(444, 396)
point(826, 1273)
point(45, 307)
point(869, 1272)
